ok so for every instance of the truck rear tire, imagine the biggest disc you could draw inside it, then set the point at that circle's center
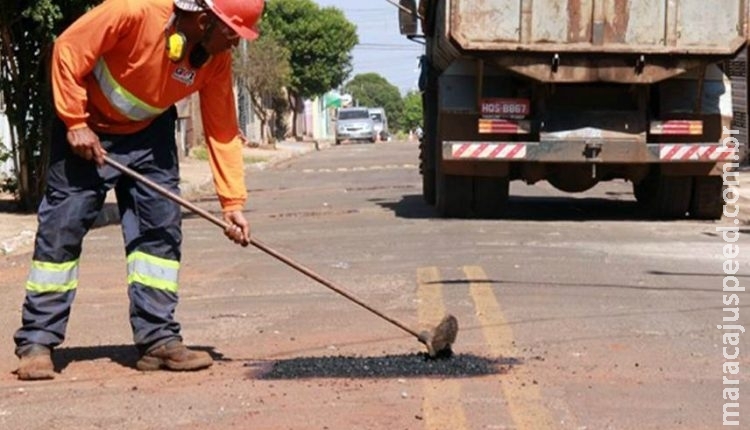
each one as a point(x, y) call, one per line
point(454, 196)
point(490, 197)
point(428, 187)
point(428, 142)
point(665, 196)
point(472, 197)
point(707, 201)
point(427, 168)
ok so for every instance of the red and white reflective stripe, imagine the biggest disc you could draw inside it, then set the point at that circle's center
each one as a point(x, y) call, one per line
point(490, 151)
point(503, 126)
point(696, 152)
point(677, 127)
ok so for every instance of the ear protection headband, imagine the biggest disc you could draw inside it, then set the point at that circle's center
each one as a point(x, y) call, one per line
point(175, 42)
point(176, 46)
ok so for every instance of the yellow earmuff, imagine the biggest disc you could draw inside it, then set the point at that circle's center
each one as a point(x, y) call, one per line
point(176, 46)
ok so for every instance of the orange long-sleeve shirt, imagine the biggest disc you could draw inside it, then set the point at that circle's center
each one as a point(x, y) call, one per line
point(115, 56)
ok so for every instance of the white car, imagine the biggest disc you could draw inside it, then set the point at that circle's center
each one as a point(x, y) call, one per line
point(354, 124)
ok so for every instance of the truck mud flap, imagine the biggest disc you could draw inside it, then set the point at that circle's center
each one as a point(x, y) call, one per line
point(737, 71)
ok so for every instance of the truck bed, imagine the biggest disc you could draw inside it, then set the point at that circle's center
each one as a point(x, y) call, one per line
point(667, 27)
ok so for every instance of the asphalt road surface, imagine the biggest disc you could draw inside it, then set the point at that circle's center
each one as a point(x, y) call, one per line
point(575, 313)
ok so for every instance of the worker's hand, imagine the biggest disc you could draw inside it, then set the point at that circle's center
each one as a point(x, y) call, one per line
point(239, 229)
point(85, 143)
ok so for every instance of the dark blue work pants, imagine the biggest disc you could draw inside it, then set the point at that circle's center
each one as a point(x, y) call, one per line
point(151, 228)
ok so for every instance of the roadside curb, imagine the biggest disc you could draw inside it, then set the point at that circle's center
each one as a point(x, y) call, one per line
point(21, 240)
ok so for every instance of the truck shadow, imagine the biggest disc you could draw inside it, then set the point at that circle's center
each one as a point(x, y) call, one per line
point(526, 208)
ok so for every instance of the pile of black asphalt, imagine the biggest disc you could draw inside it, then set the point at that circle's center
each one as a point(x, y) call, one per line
point(388, 366)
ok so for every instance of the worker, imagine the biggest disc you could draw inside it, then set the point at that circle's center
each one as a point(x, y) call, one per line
point(116, 74)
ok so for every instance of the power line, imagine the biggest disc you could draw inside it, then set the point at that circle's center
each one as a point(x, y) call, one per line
point(390, 45)
point(385, 50)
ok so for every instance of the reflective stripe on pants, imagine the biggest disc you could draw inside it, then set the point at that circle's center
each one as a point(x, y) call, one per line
point(153, 272)
point(52, 277)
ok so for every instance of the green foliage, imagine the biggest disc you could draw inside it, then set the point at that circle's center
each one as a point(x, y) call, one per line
point(44, 12)
point(7, 184)
point(199, 153)
point(262, 68)
point(373, 90)
point(255, 159)
point(27, 31)
point(280, 107)
point(412, 114)
point(319, 40)
point(5, 155)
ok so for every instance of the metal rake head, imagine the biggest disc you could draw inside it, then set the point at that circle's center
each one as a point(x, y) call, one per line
point(440, 339)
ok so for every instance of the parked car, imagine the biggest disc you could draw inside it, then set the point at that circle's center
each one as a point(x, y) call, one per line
point(380, 121)
point(354, 124)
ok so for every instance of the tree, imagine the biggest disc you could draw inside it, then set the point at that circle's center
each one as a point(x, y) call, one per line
point(27, 31)
point(373, 90)
point(262, 68)
point(412, 114)
point(319, 40)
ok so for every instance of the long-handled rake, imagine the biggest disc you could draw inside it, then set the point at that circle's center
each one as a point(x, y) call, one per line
point(438, 340)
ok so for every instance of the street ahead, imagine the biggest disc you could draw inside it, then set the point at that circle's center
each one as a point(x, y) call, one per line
point(575, 313)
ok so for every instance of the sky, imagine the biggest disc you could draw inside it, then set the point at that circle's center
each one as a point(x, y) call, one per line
point(382, 49)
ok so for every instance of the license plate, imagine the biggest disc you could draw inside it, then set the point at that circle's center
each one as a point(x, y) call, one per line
point(505, 108)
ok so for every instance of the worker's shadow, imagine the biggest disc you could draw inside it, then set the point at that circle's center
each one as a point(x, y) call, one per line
point(124, 355)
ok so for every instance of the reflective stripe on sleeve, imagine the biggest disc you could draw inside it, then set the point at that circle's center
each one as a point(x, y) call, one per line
point(45, 277)
point(120, 98)
point(153, 272)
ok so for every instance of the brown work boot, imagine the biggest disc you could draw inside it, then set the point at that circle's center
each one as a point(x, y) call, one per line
point(36, 364)
point(173, 355)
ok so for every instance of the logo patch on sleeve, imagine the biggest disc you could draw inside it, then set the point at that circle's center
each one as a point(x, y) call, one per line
point(184, 75)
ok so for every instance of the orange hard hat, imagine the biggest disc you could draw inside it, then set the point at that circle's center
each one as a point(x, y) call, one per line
point(241, 16)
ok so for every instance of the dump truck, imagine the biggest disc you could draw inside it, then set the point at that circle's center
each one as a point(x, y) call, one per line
point(576, 92)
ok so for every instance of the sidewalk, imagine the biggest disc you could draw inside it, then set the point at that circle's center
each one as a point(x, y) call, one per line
point(17, 230)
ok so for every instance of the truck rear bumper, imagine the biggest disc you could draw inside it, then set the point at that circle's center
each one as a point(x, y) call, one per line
point(586, 152)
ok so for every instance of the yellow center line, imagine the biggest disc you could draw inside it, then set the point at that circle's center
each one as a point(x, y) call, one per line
point(524, 401)
point(442, 406)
